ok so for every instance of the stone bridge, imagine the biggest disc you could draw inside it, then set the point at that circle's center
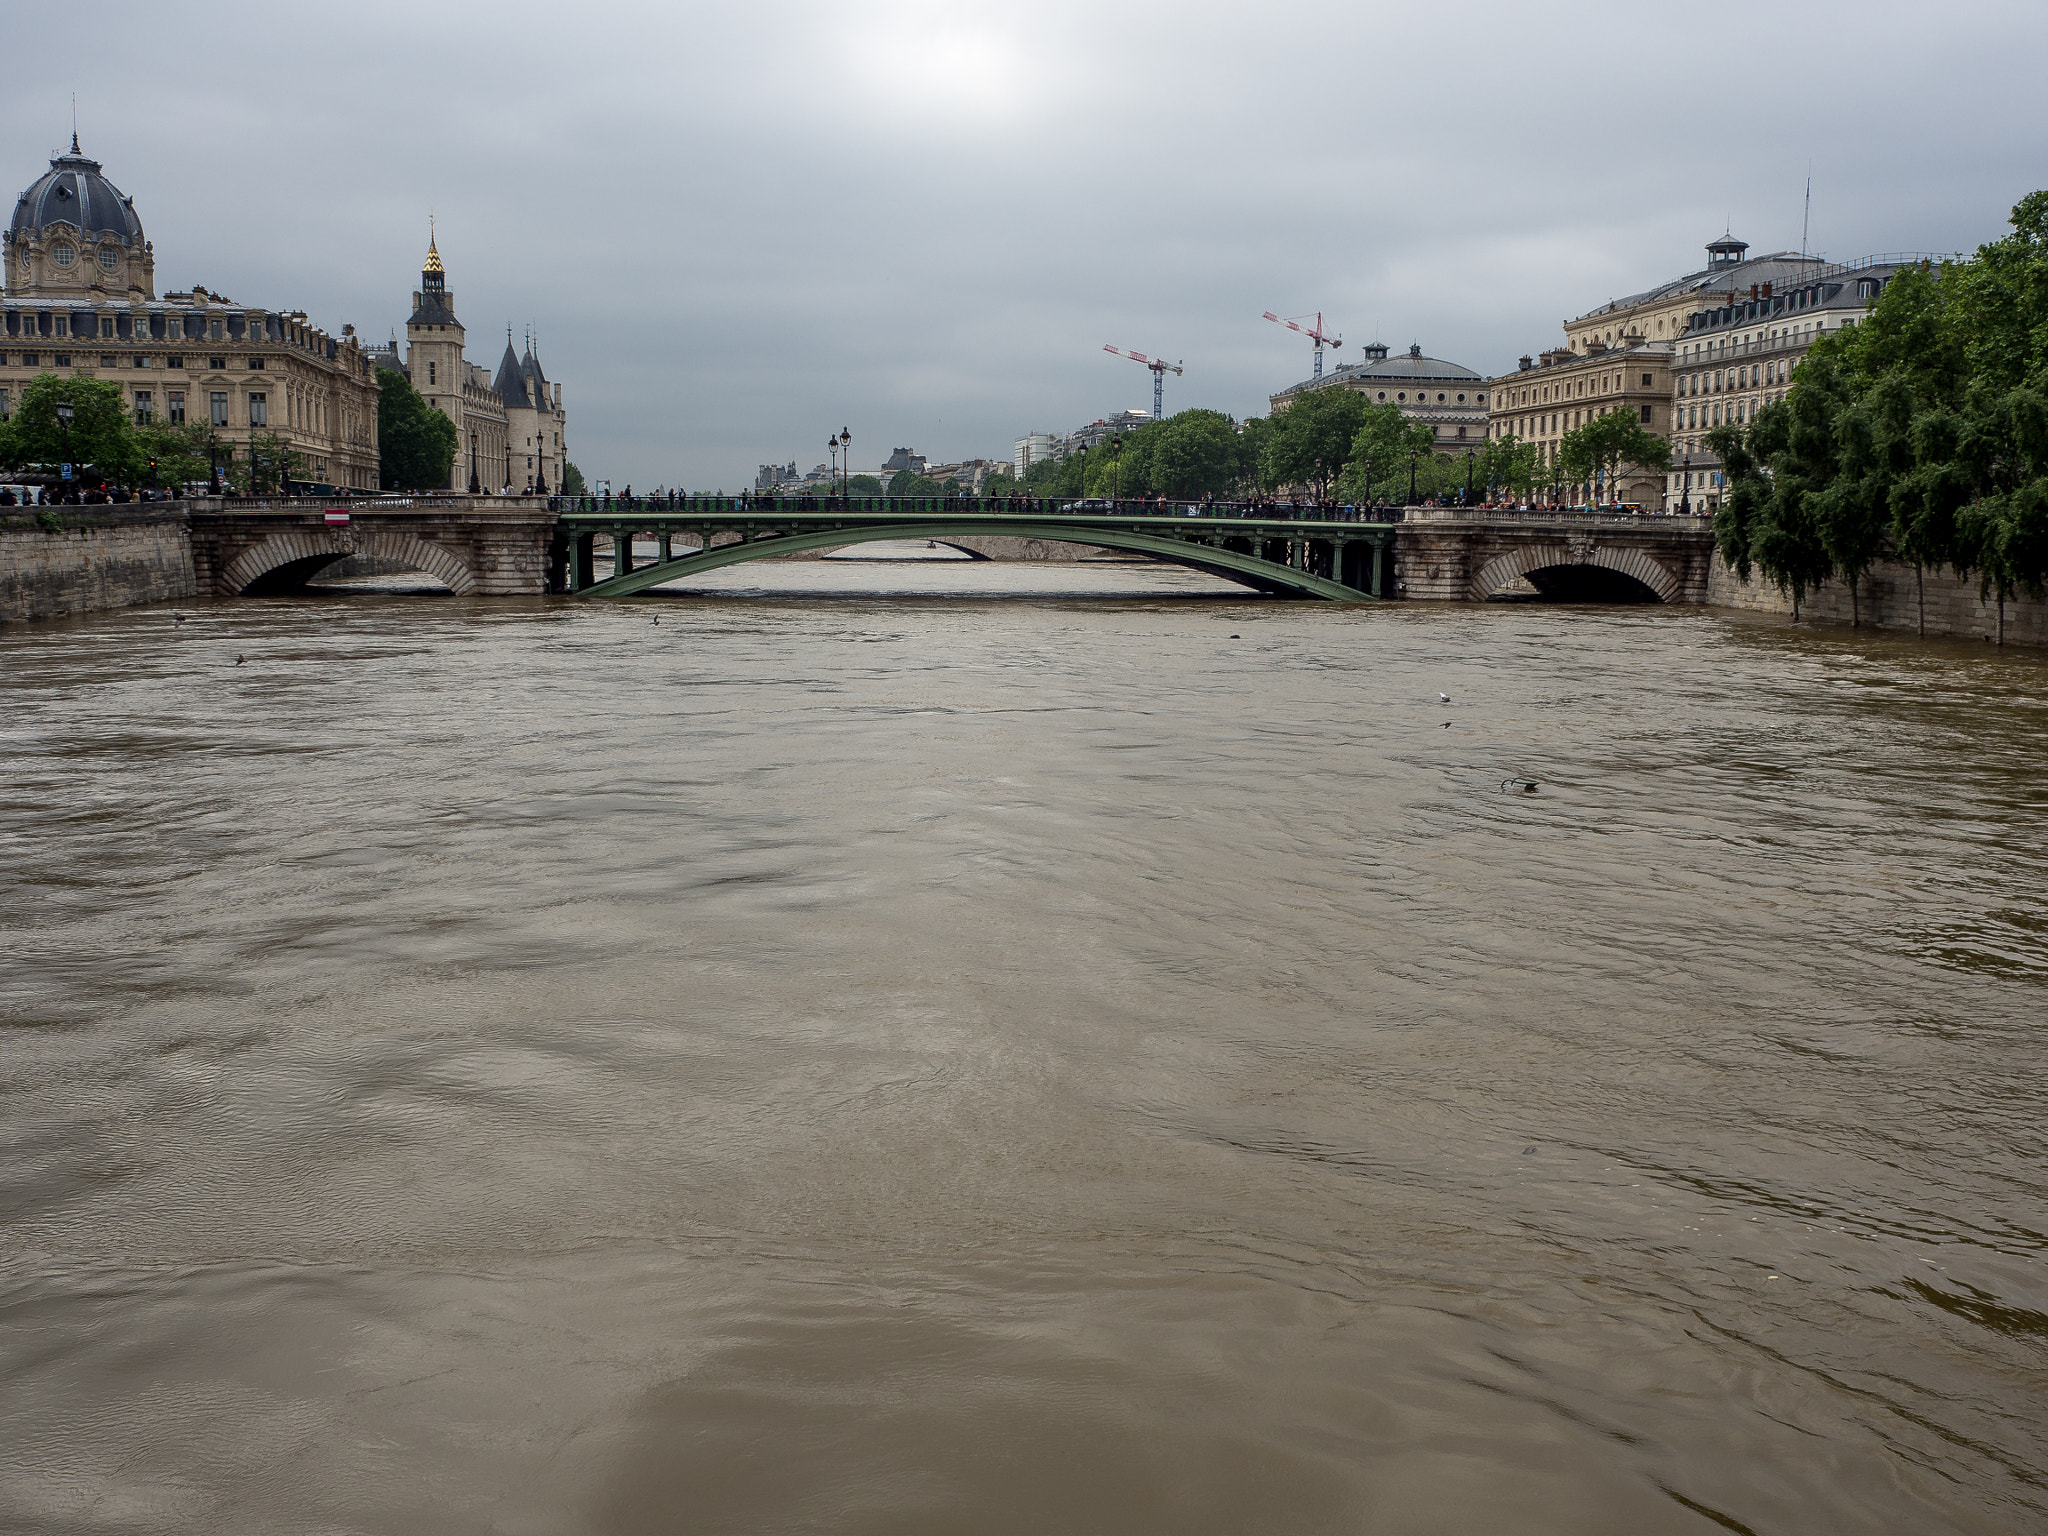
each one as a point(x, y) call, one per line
point(484, 545)
point(1447, 554)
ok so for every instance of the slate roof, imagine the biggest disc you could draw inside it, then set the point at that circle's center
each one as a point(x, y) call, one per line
point(511, 382)
point(72, 191)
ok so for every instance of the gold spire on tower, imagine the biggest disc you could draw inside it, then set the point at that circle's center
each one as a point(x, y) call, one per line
point(433, 256)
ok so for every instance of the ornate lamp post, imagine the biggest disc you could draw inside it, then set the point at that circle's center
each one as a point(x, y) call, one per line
point(64, 419)
point(475, 485)
point(1685, 490)
point(832, 447)
point(846, 460)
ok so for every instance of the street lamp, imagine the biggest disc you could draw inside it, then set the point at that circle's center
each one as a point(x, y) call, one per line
point(213, 460)
point(1081, 453)
point(475, 484)
point(64, 417)
point(832, 447)
point(1411, 477)
point(1685, 490)
point(846, 460)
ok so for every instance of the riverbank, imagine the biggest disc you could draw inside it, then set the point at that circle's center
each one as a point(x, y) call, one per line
point(63, 560)
point(1891, 598)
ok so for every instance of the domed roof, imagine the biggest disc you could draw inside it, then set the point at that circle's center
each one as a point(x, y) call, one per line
point(74, 192)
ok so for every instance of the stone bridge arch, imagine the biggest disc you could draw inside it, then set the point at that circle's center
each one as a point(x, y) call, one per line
point(1504, 570)
point(285, 562)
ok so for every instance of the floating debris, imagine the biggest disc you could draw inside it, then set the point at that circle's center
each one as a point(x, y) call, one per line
point(1526, 786)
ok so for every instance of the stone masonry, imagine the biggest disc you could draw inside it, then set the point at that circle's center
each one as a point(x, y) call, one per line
point(95, 557)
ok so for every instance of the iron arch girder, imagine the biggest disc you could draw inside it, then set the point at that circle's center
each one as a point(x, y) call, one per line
point(1250, 570)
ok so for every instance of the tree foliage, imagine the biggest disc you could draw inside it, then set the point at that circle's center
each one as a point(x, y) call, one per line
point(417, 442)
point(572, 480)
point(1921, 433)
point(1595, 451)
point(100, 435)
point(1310, 442)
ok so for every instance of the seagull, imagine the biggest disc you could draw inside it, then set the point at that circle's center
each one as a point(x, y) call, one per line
point(177, 617)
point(1234, 637)
point(657, 618)
point(240, 659)
point(1447, 725)
point(1445, 697)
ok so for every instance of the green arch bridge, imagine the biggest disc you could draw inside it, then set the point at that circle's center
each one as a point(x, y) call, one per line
point(1288, 555)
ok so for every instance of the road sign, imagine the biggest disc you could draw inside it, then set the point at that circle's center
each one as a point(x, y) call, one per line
point(65, 472)
point(334, 518)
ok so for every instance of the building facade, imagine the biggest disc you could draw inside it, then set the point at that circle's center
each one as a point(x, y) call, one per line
point(1733, 359)
point(1449, 398)
point(1547, 397)
point(80, 301)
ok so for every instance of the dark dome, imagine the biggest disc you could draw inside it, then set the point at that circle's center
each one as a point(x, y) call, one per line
point(74, 192)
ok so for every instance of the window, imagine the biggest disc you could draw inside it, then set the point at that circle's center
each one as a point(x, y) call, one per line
point(107, 326)
point(216, 363)
point(62, 359)
point(142, 407)
point(213, 331)
point(106, 361)
point(141, 361)
point(1646, 414)
point(430, 374)
point(259, 410)
point(256, 363)
point(29, 359)
point(174, 361)
point(62, 254)
point(1647, 381)
point(174, 407)
point(63, 326)
point(218, 401)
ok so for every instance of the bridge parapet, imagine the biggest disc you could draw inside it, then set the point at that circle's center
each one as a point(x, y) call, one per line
point(488, 546)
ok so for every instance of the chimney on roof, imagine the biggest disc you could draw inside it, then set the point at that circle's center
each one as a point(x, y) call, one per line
point(1527, 362)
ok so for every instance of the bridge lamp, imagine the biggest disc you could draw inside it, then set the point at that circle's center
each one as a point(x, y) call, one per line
point(1081, 453)
point(846, 458)
point(832, 447)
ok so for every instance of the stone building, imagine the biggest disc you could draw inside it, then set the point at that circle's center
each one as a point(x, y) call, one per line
point(1447, 397)
point(81, 302)
point(511, 431)
point(1734, 358)
point(1547, 397)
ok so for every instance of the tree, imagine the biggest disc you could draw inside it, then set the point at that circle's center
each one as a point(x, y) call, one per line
point(1309, 443)
point(862, 485)
point(1509, 464)
point(1595, 451)
point(572, 480)
point(1196, 455)
point(100, 434)
point(417, 441)
point(1769, 520)
point(1385, 447)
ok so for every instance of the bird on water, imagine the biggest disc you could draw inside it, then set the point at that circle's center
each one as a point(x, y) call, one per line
point(240, 659)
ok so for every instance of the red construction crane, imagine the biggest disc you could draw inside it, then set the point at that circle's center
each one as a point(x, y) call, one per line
point(1313, 332)
point(1160, 368)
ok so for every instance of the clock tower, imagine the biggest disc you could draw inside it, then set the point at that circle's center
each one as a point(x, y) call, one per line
point(433, 350)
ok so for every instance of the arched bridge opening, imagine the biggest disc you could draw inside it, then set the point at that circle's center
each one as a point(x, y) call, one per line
point(1558, 573)
point(285, 563)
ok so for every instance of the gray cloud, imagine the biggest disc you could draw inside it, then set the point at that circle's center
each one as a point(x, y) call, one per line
point(737, 229)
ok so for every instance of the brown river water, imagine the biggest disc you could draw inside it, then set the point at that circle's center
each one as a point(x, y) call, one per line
point(1018, 1050)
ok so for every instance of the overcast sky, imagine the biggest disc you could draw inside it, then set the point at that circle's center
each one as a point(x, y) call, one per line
point(737, 229)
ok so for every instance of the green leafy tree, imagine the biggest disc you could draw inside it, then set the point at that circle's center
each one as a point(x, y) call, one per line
point(572, 480)
point(417, 441)
point(100, 435)
point(1511, 465)
point(1766, 521)
point(1594, 452)
point(1310, 442)
point(1196, 454)
point(1385, 448)
point(862, 485)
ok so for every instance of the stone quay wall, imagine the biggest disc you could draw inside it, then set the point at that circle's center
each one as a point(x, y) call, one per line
point(99, 557)
point(1889, 599)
